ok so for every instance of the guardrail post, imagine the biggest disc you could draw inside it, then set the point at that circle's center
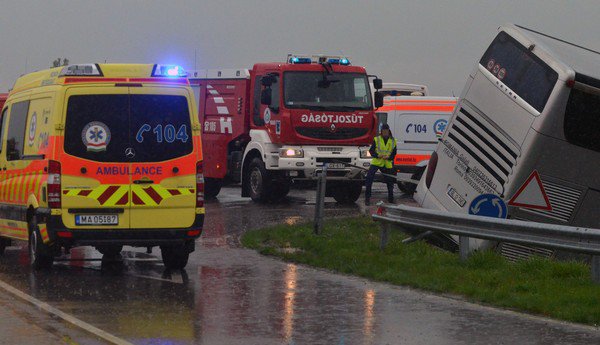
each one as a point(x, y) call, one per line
point(383, 235)
point(596, 269)
point(320, 202)
point(463, 247)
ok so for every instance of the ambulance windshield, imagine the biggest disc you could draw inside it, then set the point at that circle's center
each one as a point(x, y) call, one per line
point(333, 92)
point(128, 128)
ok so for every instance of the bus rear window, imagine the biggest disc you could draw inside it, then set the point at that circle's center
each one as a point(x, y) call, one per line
point(128, 128)
point(522, 71)
point(582, 127)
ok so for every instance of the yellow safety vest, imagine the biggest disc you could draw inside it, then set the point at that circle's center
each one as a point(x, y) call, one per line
point(383, 150)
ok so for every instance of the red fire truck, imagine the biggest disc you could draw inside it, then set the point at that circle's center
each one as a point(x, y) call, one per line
point(282, 121)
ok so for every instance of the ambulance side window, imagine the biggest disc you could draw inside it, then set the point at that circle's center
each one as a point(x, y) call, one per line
point(258, 121)
point(16, 130)
point(2, 125)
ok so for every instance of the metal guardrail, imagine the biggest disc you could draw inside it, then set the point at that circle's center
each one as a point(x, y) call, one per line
point(420, 222)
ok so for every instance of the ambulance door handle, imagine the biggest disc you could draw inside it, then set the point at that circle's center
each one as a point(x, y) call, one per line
point(143, 181)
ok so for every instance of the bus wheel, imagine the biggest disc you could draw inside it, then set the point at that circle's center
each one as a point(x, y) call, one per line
point(407, 188)
point(258, 179)
point(39, 253)
point(175, 257)
point(347, 193)
point(212, 187)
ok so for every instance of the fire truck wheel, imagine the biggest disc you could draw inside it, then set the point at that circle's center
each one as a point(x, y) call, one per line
point(39, 253)
point(175, 257)
point(347, 193)
point(212, 187)
point(258, 176)
point(279, 189)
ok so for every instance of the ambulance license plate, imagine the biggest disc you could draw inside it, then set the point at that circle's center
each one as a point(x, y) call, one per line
point(96, 219)
point(336, 165)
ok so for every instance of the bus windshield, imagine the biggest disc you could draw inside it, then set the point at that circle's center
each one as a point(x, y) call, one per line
point(522, 71)
point(333, 92)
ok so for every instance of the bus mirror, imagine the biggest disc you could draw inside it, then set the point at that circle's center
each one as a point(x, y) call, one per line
point(377, 83)
point(265, 97)
point(378, 99)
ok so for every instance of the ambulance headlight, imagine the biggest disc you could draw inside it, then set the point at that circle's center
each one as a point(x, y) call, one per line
point(168, 71)
point(365, 154)
point(291, 153)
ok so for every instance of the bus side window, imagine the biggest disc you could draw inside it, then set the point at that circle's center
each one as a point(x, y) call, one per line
point(258, 121)
point(16, 130)
point(582, 124)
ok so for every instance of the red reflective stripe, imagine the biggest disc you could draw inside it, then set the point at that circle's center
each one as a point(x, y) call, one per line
point(124, 199)
point(136, 199)
point(442, 108)
point(174, 192)
point(160, 80)
point(84, 192)
point(94, 80)
point(107, 194)
point(406, 159)
point(153, 194)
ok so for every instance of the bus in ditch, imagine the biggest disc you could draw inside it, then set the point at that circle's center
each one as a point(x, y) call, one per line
point(524, 139)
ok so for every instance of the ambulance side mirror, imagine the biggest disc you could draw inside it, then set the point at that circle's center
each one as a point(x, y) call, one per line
point(378, 99)
point(265, 96)
point(377, 83)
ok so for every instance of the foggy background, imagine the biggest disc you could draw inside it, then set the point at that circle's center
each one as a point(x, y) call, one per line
point(427, 42)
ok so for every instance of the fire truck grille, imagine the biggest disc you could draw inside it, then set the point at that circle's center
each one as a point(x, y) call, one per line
point(327, 134)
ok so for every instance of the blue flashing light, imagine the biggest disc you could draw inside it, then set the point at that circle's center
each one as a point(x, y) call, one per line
point(344, 61)
point(296, 59)
point(168, 71)
point(336, 61)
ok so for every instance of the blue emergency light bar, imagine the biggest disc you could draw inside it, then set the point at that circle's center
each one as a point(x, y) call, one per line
point(336, 61)
point(168, 71)
point(307, 59)
point(300, 60)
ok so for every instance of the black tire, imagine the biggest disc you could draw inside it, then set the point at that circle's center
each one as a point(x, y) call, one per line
point(258, 180)
point(407, 188)
point(347, 193)
point(212, 187)
point(3, 244)
point(279, 189)
point(39, 253)
point(175, 257)
point(109, 251)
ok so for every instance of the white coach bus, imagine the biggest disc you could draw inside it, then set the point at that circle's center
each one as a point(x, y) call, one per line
point(524, 139)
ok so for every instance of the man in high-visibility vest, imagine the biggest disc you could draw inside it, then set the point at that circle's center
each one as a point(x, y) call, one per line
point(383, 151)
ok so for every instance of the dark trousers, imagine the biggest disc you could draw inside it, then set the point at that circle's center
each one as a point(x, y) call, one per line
point(388, 180)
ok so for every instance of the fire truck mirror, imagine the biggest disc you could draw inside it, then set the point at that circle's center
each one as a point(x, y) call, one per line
point(377, 83)
point(265, 96)
point(266, 81)
point(378, 99)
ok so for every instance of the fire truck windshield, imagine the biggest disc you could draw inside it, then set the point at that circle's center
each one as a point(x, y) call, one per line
point(333, 92)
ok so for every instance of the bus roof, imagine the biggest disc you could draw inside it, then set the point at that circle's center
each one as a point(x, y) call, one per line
point(581, 59)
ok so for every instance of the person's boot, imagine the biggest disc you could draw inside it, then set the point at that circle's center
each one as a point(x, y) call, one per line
point(367, 202)
point(390, 199)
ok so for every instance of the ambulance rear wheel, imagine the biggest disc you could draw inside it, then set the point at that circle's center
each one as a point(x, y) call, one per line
point(3, 244)
point(212, 187)
point(39, 253)
point(347, 193)
point(109, 251)
point(175, 257)
point(258, 178)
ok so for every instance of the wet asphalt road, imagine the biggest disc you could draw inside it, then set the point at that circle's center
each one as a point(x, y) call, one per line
point(230, 295)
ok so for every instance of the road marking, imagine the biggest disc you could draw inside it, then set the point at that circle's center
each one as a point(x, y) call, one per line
point(67, 317)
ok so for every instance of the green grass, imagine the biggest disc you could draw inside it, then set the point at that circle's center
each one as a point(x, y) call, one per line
point(561, 290)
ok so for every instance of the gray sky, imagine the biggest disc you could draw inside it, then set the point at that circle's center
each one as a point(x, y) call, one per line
point(430, 42)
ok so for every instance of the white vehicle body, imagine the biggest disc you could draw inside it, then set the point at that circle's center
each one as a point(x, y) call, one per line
point(528, 112)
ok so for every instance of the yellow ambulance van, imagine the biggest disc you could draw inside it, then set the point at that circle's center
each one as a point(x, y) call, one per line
point(104, 155)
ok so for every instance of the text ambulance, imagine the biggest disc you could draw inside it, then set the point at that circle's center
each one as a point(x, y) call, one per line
point(282, 121)
point(104, 155)
point(418, 124)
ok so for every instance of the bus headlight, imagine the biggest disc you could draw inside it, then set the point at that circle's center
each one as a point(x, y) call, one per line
point(365, 154)
point(291, 153)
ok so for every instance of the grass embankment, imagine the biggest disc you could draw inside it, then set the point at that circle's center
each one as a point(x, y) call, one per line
point(561, 290)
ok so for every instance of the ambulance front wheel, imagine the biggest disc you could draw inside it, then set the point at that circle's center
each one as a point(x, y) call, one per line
point(39, 253)
point(212, 187)
point(175, 257)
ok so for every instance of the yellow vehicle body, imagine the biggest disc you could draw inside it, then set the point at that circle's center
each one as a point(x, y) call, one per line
point(104, 155)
